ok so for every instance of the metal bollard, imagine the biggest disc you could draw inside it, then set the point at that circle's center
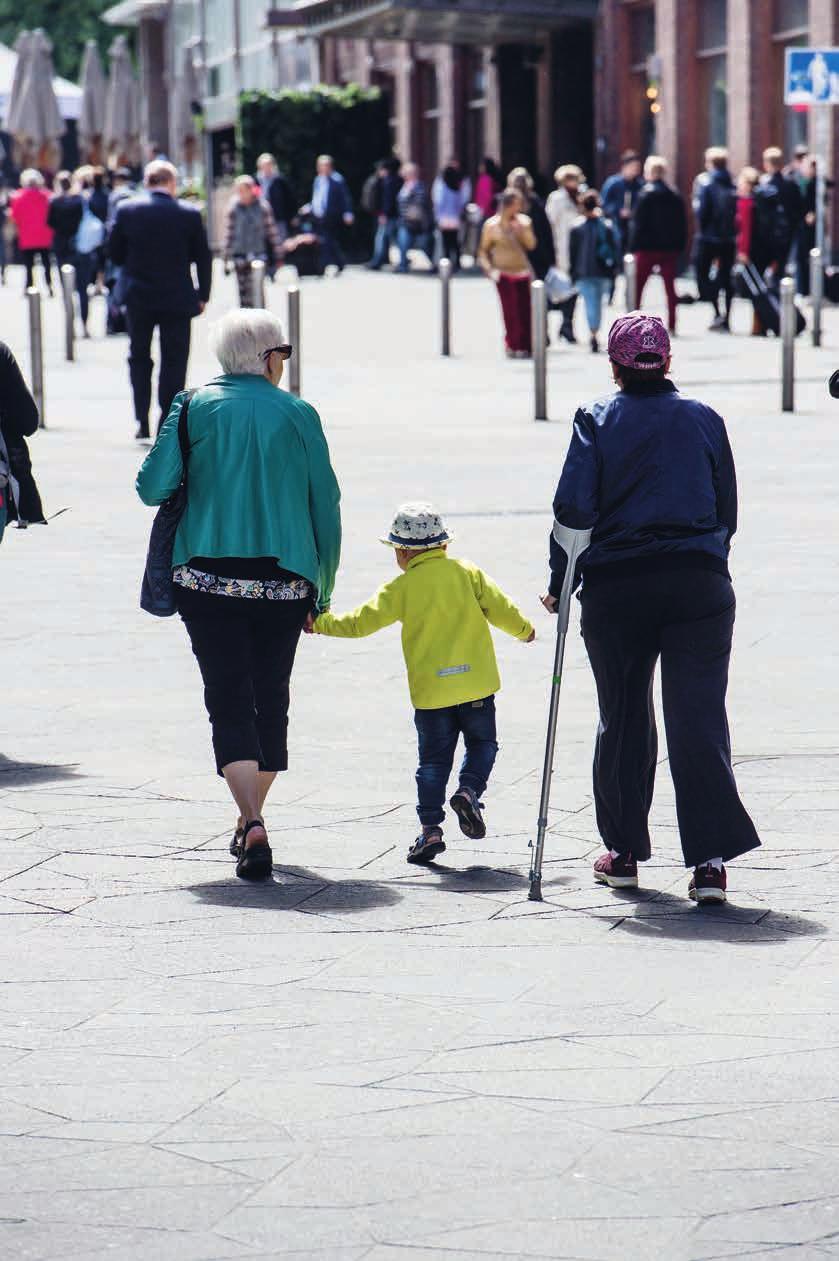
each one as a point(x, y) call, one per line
point(539, 325)
point(294, 338)
point(258, 282)
point(36, 351)
point(630, 268)
point(788, 344)
point(68, 289)
point(817, 293)
point(445, 307)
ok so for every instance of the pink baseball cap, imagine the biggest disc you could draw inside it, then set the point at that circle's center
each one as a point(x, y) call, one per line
point(639, 341)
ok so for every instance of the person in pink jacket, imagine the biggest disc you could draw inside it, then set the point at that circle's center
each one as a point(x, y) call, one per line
point(29, 209)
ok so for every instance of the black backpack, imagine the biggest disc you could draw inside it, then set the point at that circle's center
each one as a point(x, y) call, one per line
point(723, 223)
point(370, 194)
point(773, 223)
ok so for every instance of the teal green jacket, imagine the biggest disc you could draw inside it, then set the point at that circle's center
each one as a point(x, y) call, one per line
point(260, 482)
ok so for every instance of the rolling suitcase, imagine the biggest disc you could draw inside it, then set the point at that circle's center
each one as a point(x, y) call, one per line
point(765, 302)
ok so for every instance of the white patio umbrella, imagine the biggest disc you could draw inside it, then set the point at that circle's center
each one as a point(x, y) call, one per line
point(22, 46)
point(122, 106)
point(91, 126)
point(184, 130)
point(37, 119)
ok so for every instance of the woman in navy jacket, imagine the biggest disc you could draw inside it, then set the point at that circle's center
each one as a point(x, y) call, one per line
point(652, 475)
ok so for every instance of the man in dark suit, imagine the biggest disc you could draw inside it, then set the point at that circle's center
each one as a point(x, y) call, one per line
point(157, 240)
point(330, 207)
point(276, 191)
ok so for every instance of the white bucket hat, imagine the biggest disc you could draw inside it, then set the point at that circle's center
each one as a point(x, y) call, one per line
point(417, 527)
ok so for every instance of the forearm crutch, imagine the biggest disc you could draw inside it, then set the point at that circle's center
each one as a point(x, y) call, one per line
point(573, 544)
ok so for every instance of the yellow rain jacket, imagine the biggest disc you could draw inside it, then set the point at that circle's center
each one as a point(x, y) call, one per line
point(445, 606)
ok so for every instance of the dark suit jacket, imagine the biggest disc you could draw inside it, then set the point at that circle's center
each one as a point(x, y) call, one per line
point(338, 202)
point(279, 197)
point(156, 239)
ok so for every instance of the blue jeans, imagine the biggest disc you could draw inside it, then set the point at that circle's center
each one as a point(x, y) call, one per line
point(408, 240)
point(594, 289)
point(385, 237)
point(438, 731)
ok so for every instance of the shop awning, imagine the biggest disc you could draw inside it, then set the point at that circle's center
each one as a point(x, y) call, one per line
point(435, 21)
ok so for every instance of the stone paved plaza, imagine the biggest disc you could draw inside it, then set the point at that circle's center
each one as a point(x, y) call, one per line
point(363, 1060)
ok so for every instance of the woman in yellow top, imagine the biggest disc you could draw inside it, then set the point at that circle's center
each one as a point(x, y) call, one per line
point(445, 607)
point(506, 240)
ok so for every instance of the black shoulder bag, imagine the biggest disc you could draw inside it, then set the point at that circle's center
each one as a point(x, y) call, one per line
point(157, 595)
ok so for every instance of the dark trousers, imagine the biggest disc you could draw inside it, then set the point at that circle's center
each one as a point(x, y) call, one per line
point(666, 262)
point(711, 254)
point(245, 650)
point(174, 357)
point(450, 242)
point(514, 292)
point(85, 265)
point(330, 249)
point(686, 618)
point(438, 731)
point(29, 263)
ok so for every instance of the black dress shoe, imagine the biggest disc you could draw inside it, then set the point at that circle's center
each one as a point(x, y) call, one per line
point(142, 431)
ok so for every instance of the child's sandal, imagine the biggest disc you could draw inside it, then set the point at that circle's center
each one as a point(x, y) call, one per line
point(426, 847)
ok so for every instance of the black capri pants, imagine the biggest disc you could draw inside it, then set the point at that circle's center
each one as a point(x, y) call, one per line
point(245, 650)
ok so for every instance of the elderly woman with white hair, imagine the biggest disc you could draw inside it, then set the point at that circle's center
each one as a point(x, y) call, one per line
point(255, 553)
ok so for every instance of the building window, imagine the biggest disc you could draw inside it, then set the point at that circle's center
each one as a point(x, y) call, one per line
point(642, 52)
point(791, 29)
point(712, 54)
point(791, 15)
point(429, 118)
point(476, 102)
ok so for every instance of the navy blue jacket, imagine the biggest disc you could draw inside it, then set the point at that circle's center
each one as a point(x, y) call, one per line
point(652, 474)
point(338, 202)
point(714, 203)
point(156, 240)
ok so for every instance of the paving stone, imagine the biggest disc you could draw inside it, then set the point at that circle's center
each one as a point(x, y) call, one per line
point(362, 1061)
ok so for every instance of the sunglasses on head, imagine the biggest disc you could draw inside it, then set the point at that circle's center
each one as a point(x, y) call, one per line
point(285, 351)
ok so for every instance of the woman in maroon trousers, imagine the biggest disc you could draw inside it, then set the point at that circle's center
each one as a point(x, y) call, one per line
point(505, 241)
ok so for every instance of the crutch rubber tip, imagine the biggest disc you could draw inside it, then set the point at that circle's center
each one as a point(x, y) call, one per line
point(535, 894)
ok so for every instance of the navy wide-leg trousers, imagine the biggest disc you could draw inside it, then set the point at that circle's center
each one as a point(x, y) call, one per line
point(685, 618)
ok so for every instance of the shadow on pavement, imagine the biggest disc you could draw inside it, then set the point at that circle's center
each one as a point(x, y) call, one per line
point(679, 919)
point(307, 891)
point(487, 879)
point(16, 774)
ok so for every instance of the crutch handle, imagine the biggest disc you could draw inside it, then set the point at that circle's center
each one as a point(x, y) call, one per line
point(573, 544)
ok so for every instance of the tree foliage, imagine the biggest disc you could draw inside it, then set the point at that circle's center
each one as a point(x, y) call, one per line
point(349, 122)
point(68, 23)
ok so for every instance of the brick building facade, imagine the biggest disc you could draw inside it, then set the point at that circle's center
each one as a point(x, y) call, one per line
point(714, 70)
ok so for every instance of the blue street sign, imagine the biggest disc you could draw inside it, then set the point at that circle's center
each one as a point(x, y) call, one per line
point(811, 76)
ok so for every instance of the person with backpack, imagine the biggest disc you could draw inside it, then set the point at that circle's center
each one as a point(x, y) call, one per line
point(379, 197)
point(658, 233)
point(715, 246)
point(87, 247)
point(64, 216)
point(594, 249)
point(779, 209)
point(19, 497)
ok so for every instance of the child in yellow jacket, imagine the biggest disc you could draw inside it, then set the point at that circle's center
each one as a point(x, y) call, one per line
point(444, 606)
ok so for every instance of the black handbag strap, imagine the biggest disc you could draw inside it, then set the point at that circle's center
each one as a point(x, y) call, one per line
point(183, 432)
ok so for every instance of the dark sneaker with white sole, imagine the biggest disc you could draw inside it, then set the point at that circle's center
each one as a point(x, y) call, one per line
point(426, 847)
point(468, 810)
point(617, 873)
point(708, 884)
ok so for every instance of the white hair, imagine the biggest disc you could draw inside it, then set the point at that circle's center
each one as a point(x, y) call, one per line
point(241, 337)
point(30, 178)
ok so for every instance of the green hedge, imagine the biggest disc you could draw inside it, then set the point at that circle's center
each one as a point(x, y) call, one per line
point(351, 123)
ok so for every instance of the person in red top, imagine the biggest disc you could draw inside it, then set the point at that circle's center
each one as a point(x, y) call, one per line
point(747, 182)
point(29, 209)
